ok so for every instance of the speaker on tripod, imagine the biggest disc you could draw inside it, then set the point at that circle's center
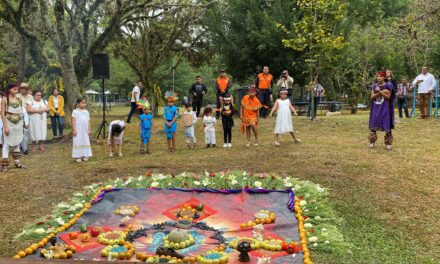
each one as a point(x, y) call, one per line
point(101, 71)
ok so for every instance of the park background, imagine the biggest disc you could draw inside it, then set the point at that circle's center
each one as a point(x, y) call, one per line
point(388, 201)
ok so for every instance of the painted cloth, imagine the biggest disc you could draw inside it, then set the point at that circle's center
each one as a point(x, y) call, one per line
point(382, 110)
point(250, 107)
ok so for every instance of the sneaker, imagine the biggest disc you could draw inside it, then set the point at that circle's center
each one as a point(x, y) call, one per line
point(248, 144)
point(296, 140)
point(85, 159)
point(120, 154)
point(389, 147)
point(276, 143)
point(256, 144)
point(78, 160)
point(229, 145)
point(371, 146)
point(111, 154)
point(225, 145)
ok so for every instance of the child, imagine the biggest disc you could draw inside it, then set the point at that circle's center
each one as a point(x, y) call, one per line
point(145, 125)
point(284, 117)
point(249, 114)
point(209, 122)
point(115, 135)
point(189, 118)
point(14, 118)
point(171, 112)
point(227, 113)
point(81, 130)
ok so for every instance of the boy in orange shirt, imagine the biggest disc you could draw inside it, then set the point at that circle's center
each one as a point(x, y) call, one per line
point(249, 114)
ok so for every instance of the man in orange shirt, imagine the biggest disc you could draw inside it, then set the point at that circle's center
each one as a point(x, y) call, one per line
point(222, 86)
point(249, 114)
point(264, 83)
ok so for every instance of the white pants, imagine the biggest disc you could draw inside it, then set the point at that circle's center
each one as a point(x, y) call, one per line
point(210, 136)
point(5, 150)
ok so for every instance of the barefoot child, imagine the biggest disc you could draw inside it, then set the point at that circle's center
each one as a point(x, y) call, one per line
point(284, 117)
point(171, 112)
point(209, 122)
point(189, 118)
point(115, 135)
point(81, 130)
point(145, 125)
point(249, 114)
point(227, 113)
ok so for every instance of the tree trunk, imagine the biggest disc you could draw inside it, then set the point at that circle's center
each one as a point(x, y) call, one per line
point(69, 78)
point(22, 61)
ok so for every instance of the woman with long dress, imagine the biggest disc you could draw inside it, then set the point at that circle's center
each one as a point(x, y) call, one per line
point(37, 110)
point(81, 130)
point(283, 125)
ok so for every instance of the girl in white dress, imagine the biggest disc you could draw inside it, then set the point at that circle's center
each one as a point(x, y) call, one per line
point(37, 110)
point(81, 131)
point(284, 117)
point(209, 122)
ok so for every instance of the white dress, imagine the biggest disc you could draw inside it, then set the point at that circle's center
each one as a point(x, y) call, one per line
point(38, 121)
point(284, 117)
point(81, 143)
point(209, 122)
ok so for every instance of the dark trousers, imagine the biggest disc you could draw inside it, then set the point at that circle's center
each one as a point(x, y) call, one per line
point(315, 107)
point(57, 120)
point(402, 103)
point(133, 108)
point(227, 135)
point(197, 105)
point(264, 97)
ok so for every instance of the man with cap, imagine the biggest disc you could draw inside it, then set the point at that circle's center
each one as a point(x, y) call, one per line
point(249, 114)
point(222, 86)
point(26, 98)
point(264, 83)
point(286, 82)
point(382, 110)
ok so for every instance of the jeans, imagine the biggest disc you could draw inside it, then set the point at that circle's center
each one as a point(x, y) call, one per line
point(133, 108)
point(54, 120)
point(402, 102)
point(315, 107)
point(264, 97)
point(197, 105)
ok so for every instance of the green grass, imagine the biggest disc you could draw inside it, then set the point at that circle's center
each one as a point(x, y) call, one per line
point(389, 201)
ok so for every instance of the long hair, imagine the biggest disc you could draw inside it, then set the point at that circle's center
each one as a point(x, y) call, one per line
point(78, 101)
point(116, 130)
point(8, 88)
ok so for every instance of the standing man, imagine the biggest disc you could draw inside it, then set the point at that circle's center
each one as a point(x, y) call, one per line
point(264, 83)
point(26, 99)
point(426, 84)
point(222, 86)
point(198, 90)
point(135, 94)
point(286, 82)
point(403, 89)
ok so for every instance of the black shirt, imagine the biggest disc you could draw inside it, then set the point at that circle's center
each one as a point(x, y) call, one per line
point(198, 89)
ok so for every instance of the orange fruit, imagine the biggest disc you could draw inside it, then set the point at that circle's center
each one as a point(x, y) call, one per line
point(63, 255)
point(28, 251)
point(34, 247)
point(16, 257)
point(22, 254)
point(41, 244)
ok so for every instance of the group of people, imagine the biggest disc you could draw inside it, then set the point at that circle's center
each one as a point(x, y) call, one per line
point(385, 91)
point(23, 118)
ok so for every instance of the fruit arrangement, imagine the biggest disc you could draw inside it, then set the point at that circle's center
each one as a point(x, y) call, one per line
point(190, 212)
point(178, 239)
point(127, 210)
point(112, 238)
point(213, 256)
point(124, 251)
point(59, 251)
point(263, 217)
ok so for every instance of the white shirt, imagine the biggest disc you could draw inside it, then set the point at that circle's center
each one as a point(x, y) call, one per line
point(55, 101)
point(25, 99)
point(138, 93)
point(428, 83)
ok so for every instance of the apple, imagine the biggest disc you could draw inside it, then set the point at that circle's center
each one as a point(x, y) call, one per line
point(94, 232)
point(73, 235)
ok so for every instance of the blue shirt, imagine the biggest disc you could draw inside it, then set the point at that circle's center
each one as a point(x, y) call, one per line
point(170, 112)
point(146, 121)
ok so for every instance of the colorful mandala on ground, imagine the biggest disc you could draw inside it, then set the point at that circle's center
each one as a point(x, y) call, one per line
point(192, 224)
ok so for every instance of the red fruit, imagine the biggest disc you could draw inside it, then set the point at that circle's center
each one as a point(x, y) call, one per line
point(284, 246)
point(94, 232)
point(65, 212)
point(73, 235)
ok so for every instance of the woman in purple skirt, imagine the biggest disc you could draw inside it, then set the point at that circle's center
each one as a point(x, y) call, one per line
point(382, 110)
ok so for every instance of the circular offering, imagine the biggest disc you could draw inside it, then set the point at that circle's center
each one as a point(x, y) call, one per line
point(112, 238)
point(213, 256)
point(178, 239)
point(184, 224)
point(125, 251)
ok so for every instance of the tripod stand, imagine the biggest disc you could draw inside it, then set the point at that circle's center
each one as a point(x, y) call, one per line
point(101, 130)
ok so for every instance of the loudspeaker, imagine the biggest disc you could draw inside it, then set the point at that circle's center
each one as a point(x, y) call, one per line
point(100, 66)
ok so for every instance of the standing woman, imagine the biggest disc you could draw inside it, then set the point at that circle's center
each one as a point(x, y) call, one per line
point(382, 110)
point(56, 106)
point(37, 110)
point(13, 114)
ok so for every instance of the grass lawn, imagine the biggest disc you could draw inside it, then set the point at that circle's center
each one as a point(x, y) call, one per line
point(389, 201)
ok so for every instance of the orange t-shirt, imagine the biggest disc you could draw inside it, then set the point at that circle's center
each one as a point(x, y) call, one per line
point(264, 81)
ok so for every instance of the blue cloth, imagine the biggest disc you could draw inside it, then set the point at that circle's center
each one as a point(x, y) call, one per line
point(169, 113)
point(146, 122)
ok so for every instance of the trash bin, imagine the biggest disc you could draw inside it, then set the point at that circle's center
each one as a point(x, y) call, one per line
point(241, 92)
point(335, 106)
